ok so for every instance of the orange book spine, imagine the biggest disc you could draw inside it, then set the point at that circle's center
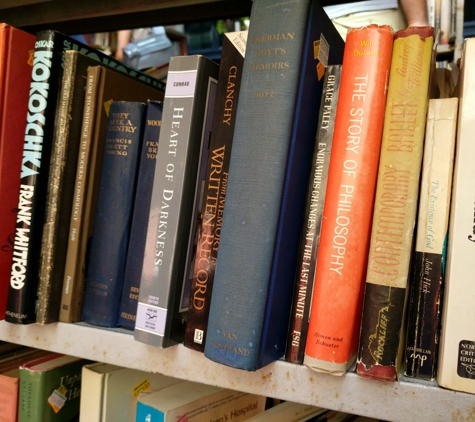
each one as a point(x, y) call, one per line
point(335, 313)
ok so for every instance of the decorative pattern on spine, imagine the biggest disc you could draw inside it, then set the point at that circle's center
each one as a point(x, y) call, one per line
point(397, 195)
point(335, 314)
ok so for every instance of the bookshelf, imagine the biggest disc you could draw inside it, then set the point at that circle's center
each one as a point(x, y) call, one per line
point(402, 401)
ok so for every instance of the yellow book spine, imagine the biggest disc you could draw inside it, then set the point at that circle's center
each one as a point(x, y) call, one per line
point(395, 204)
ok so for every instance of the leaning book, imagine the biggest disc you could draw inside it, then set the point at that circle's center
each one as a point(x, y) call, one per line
point(189, 99)
point(428, 260)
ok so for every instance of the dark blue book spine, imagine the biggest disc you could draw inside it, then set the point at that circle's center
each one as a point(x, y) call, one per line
point(268, 178)
point(113, 217)
point(138, 231)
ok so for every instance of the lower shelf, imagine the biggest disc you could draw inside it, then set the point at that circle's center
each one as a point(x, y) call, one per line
point(401, 401)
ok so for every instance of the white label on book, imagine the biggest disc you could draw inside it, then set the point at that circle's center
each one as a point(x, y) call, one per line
point(151, 318)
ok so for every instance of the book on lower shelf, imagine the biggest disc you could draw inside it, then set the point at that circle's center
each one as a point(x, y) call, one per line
point(110, 392)
point(194, 402)
point(184, 139)
point(457, 342)
point(113, 215)
point(50, 388)
point(273, 144)
point(335, 314)
point(382, 335)
point(16, 47)
point(428, 260)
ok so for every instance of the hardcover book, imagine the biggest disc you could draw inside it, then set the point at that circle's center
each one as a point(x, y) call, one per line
point(103, 86)
point(189, 98)
point(428, 260)
point(138, 230)
point(335, 313)
point(41, 120)
point(64, 160)
point(113, 215)
point(382, 339)
point(457, 342)
point(16, 51)
point(312, 223)
point(193, 402)
point(207, 244)
point(273, 144)
point(109, 393)
point(50, 389)
point(10, 380)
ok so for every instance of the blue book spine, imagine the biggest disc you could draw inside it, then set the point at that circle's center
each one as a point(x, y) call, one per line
point(268, 179)
point(113, 217)
point(138, 231)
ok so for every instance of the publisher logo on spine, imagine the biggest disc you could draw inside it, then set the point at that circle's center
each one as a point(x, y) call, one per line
point(466, 359)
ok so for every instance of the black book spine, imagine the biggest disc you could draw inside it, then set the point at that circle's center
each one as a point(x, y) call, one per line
point(310, 237)
point(43, 98)
point(227, 96)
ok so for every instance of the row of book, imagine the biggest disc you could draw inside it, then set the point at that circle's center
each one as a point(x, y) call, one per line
point(344, 165)
point(40, 386)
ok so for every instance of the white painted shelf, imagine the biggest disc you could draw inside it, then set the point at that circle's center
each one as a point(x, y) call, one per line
point(400, 402)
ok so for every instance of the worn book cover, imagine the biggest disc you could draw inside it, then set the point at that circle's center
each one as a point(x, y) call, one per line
point(335, 313)
point(274, 139)
point(50, 389)
point(41, 120)
point(382, 340)
point(16, 61)
point(189, 97)
point(191, 401)
point(113, 215)
point(428, 261)
point(103, 86)
point(138, 230)
point(222, 132)
point(457, 342)
point(110, 392)
point(312, 224)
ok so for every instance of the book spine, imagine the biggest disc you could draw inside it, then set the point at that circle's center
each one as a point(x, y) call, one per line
point(74, 273)
point(227, 97)
point(159, 321)
point(105, 277)
point(138, 231)
point(64, 158)
point(270, 165)
point(310, 237)
point(457, 345)
point(9, 388)
point(335, 313)
point(428, 260)
point(46, 72)
point(31, 394)
point(397, 191)
point(14, 105)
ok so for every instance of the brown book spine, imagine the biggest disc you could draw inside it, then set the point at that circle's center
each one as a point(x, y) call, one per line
point(227, 96)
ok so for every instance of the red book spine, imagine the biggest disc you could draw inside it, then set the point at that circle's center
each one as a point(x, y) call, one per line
point(335, 314)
